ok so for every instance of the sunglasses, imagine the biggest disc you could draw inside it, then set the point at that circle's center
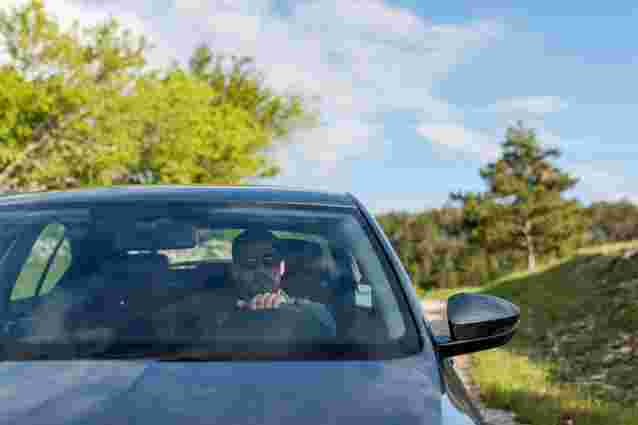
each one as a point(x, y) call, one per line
point(267, 260)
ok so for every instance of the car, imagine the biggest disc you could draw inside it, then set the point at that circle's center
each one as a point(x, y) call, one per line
point(122, 305)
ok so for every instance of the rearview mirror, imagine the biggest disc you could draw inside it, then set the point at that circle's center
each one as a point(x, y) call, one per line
point(477, 322)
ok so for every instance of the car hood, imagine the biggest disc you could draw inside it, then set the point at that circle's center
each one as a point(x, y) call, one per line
point(406, 391)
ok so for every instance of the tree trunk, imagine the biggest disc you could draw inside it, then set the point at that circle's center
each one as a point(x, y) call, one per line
point(529, 242)
point(531, 256)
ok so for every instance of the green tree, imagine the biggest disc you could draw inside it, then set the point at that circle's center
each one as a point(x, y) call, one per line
point(185, 139)
point(436, 250)
point(523, 210)
point(60, 86)
point(80, 106)
point(614, 221)
point(238, 83)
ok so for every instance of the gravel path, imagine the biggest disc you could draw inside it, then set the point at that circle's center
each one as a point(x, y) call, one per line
point(435, 312)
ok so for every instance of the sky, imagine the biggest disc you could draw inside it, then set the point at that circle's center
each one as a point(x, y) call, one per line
point(413, 96)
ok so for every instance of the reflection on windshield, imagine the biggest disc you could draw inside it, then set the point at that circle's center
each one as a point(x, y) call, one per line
point(198, 284)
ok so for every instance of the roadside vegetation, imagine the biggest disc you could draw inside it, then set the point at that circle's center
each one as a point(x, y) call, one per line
point(576, 350)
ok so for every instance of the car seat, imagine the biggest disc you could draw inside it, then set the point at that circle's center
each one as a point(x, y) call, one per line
point(132, 286)
point(305, 276)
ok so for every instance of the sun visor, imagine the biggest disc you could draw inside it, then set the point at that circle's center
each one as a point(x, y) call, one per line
point(156, 235)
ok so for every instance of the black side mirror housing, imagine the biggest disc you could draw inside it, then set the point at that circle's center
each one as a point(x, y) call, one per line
point(477, 322)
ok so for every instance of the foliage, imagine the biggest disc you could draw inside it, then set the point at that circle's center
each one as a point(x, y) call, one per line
point(239, 84)
point(436, 251)
point(575, 345)
point(614, 221)
point(80, 106)
point(522, 219)
point(523, 210)
point(428, 240)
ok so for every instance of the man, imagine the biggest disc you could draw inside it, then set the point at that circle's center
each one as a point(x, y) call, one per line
point(256, 272)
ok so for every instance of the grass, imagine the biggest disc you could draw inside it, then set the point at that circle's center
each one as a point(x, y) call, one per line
point(570, 354)
point(513, 382)
point(444, 294)
point(609, 248)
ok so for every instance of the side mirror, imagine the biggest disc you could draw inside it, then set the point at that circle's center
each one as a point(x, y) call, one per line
point(477, 322)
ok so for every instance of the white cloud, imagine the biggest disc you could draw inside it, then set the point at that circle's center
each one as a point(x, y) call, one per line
point(602, 181)
point(341, 139)
point(456, 139)
point(528, 106)
point(371, 16)
point(67, 12)
point(198, 7)
point(327, 145)
point(450, 128)
point(362, 58)
point(228, 22)
point(238, 22)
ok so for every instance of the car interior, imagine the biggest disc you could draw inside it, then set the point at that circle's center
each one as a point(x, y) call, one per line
point(122, 278)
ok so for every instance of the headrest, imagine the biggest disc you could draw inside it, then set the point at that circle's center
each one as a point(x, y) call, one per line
point(297, 248)
point(346, 265)
point(140, 236)
point(299, 254)
point(136, 264)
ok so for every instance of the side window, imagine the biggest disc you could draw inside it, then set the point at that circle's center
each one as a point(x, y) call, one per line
point(50, 257)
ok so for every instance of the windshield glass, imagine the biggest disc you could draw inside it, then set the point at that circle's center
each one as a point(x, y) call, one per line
point(194, 281)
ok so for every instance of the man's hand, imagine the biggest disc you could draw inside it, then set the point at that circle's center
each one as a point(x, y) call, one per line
point(267, 301)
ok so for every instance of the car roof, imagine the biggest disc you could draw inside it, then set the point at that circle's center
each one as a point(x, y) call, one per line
point(182, 193)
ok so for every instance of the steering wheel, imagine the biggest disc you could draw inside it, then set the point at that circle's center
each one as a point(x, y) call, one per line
point(288, 323)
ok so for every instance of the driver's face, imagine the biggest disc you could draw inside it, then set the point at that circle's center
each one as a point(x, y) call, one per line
point(258, 269)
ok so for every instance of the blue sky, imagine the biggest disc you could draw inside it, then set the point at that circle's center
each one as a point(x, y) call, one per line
point(416, 96)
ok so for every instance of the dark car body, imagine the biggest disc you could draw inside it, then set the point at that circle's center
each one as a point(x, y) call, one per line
point(422, 388)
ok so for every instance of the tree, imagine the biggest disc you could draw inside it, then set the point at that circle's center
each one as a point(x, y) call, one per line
point(435, 248)
point(60, 85)
point(523, 209)
point(225, 144)
point(80, 106)
point(239, 84)
point(614, 221)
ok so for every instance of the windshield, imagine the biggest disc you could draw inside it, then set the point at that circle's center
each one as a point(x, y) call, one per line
point(193, 281)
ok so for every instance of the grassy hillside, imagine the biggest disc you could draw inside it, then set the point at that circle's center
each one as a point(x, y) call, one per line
point(576, 350)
